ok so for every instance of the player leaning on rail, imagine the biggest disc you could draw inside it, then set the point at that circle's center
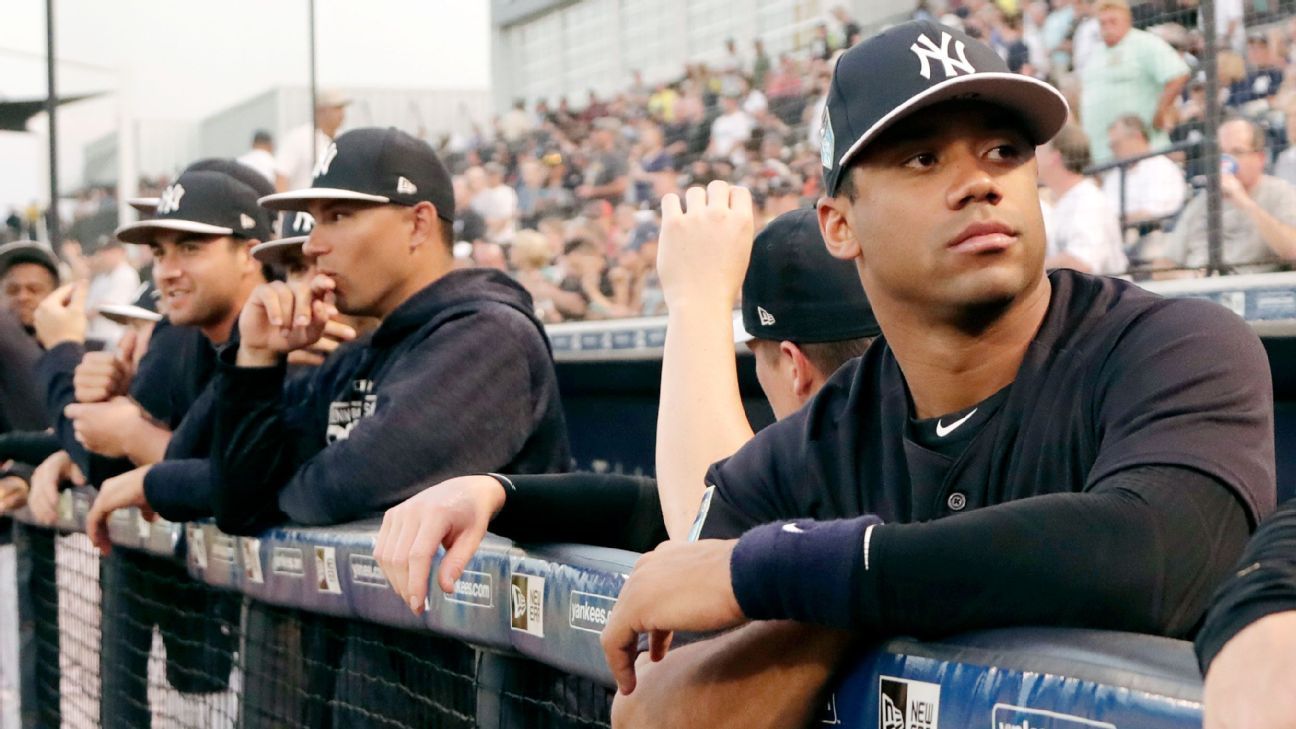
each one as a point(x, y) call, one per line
point(1020, 449)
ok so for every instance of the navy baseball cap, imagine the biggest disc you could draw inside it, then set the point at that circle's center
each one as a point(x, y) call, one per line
point(28, 251)
point(796, 291)
point(915, 65)
point(206, 202)
point(375, 165)
point(294, 227)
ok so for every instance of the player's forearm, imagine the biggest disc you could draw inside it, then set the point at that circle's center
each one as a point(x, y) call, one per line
point(700, 417)
point(250, 448)
point(1165, 104)
point(1264, 583)
point(146, 443)
point(599, 509)
point(762, 676)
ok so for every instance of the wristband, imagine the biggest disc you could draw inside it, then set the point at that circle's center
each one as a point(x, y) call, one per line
point(802, 570)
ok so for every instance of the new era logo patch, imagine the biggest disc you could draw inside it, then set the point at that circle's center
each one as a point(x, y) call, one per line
point(405, 187)
point(908, 704)
point(246, 221)
point(766, 318)
point(927, 51)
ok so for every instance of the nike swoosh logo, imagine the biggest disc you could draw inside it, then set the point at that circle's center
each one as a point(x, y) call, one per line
point(944, 430)
point(793, 529)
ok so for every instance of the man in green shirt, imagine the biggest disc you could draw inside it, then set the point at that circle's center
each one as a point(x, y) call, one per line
point(1133, 72)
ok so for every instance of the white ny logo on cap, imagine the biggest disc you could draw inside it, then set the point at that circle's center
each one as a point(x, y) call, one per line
point(927, 51)
point(169, 201)
point(303, 222)
point(326, 159)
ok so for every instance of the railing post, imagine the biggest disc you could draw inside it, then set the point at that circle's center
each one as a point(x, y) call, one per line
point(1210, 142)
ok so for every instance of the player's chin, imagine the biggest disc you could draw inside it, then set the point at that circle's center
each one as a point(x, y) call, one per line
point(991, 283)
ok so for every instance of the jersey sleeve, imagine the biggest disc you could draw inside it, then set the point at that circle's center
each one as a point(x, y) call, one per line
point(1163, 62)
point(1188, 385)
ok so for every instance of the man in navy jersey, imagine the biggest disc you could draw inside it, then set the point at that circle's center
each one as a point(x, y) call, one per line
point(1016, 449)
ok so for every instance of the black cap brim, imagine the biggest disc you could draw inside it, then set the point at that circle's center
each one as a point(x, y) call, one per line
point(128, 313)
point(301, 199)
point(1041, 107)
point(276, 251)
point(141, 233)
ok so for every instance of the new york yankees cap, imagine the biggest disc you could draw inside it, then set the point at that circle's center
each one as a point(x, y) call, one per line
point(294, 227)
point(796, 291)
point(205, 201)
point(375, 165)
point(915, 65)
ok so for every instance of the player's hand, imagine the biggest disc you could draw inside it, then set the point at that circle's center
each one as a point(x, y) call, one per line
point(13, 493)
point(118, 492)
point(1252, 681)
point(45, 481)
point(280, 317)
point(705, 246)
point(105, 428)
point(61, 317)
point(104, 375)
point(677, 586)
point(453, 513)
point(335, 334)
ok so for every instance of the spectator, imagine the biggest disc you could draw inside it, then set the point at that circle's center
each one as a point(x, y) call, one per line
point(1086, 36)
point(653, 166)
point(1230, 24)
point(1232, 79)
point(516, 123)
point(1263, 79)
point(1133, 72)
point(261, 157)
point(1083, 233)
point(532, 257)
point(1191, 128)
point(496, 202)
point(821, 46)
point(1034, 19)
point(586, 270)
point(850, 30)
point(1285, 166)
point(730, 131)
point(303, 147)
point(112, 281)
point(733, 69)
point(28, 274)
point(607, 176)
point(1056, 34)
point(760, 64)
point(1259, 218)
point(13, 224)
point(1154, 188)
point(469, 225)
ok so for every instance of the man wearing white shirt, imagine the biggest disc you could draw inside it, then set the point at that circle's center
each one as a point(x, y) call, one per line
point(1083, 233)
point(113, 281)
point(730, 130)
point(295, 164)
point(1154, 188)
point(261, 157)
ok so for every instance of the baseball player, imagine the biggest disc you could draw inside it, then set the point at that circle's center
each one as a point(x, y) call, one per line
point(984, 467)
point(1247, 646)
point(803, 315)
point(457, 378)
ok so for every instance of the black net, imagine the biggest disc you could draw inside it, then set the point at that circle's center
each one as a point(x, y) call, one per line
point(131, 640)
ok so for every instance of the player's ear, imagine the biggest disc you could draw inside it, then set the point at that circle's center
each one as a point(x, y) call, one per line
point(835, 226)
point(427, 229)
point(804, 374)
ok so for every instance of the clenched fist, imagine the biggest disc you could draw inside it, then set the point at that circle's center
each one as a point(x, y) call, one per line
point(279, 318)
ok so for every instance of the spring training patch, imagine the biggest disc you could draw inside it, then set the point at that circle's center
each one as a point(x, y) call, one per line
point(251, 549)
point(1007, 716)
point(287, 561)
point(197, 547)
point(528, 604)
point(906, 704)
point(589, 612)
point(326, 571)
point(473, 588)
point(366, 571)
point(344, 415)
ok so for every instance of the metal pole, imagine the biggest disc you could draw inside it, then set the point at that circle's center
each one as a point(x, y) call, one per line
point(51, 113)
point(310, 9)
point(1210, 143)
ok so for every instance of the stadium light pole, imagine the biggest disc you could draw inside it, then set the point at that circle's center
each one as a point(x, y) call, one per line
point(51, 113)
point(310, 10)
point(1210, 144)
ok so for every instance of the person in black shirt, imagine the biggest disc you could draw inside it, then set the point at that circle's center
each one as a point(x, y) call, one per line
point(997, 458)
point(1247, 646)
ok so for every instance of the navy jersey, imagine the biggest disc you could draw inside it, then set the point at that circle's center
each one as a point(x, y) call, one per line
point(1115, 379)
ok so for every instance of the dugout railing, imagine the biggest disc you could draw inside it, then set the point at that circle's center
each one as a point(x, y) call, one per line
point(185, 626)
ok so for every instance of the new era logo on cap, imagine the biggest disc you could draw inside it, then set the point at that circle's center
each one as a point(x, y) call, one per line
point(918, 64)
point(766, 318)
point(384, 166)
point(247, 221)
